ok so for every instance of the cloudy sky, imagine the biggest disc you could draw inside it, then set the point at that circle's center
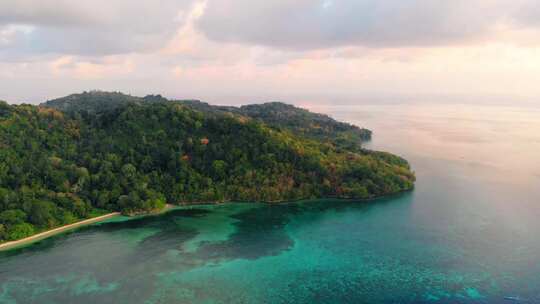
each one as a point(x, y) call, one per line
point(226, 51)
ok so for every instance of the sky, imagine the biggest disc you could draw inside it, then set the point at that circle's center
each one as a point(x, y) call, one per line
point(298, 51)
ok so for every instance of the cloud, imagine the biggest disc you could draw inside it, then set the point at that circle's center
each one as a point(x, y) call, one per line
point(315, 24)
point(10, 33)
point(92, 28)
point(50, 13)
point(102, 27)
point(191, 48)
point(528, 14)
point(84, 69)
point(241, 51)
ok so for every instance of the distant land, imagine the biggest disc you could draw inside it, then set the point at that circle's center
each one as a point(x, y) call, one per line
point(90, 154)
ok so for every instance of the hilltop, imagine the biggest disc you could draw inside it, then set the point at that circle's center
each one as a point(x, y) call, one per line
point(277, 115)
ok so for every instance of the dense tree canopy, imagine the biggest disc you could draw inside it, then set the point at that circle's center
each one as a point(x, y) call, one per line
point(307, 124)
point(57, 167)
point(276, 115)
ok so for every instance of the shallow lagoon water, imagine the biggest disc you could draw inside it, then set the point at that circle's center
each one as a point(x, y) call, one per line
point(467, 234)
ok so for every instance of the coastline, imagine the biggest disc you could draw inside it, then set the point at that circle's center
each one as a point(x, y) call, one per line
point(168, 207)
point(55, 231)
point(307, 199)
point(49, 233)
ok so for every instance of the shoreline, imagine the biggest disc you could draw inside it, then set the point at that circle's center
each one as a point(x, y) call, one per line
point(307, 199)
point(168, 207)
point(55, 231)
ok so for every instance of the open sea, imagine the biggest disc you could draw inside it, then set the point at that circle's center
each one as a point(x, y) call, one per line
point(468, 233)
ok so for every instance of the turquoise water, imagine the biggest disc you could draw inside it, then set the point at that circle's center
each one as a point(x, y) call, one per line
point(467, 234)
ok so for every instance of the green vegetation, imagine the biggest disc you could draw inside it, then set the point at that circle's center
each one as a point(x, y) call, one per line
point(276, 115)
point(307, 124)
point(301, 122)
point(134, 154)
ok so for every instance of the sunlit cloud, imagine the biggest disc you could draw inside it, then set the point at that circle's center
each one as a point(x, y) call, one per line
point(109, 66)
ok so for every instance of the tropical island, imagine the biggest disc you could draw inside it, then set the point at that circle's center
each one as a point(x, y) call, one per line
point(90, 154)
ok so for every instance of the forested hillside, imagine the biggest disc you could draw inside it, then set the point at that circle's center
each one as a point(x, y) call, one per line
point(299, 121)
point(276, 115)
point(307, 124)
point(60, 166)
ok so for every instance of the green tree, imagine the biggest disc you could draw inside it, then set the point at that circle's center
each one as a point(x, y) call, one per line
point(3, 232)
point(219, 169)
point(41, 214)
point(19, 231)
point(12, 217)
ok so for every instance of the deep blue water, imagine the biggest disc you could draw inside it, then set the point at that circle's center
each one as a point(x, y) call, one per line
point(469, 233)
